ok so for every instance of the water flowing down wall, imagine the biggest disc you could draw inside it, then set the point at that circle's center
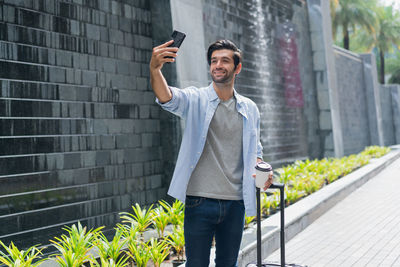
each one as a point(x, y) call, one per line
point(272, 37)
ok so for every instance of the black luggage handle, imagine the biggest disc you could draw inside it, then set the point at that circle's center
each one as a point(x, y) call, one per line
point(277, 185)
point(281, 188)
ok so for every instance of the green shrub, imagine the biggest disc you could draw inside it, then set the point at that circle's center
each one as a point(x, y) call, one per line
point(140, 218)
point(177, 240)
point(376, 151)
point(159, 251)
point(175, 212)
point(160, 219)
point(140, 253)
point(21, 258)
point(73, 247)
point(306, 177)
point(111, 252)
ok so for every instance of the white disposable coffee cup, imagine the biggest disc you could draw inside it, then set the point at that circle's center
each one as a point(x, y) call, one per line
point(263, 171)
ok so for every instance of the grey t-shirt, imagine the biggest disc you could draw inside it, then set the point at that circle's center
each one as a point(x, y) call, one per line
point(219, 172)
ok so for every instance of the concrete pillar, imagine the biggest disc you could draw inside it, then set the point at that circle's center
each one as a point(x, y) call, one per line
point(395, 90)
point(387, 114)
point(191, 63)
point(372, 88)
point(170, 125)
point(324, 68)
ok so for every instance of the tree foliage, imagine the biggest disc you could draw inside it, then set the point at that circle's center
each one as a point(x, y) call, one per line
point(370, 26)
point(348, 14)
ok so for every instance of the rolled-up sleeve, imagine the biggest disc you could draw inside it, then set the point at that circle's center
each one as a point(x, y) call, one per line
point(178, 103)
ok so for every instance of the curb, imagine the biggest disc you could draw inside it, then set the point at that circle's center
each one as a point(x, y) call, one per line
point(304, 212)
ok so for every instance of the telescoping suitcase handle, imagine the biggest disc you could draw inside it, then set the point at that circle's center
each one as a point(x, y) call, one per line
point(281, 187)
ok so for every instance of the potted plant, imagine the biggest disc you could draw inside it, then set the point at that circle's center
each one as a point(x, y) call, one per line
point(158, 252)
point(111, 252)
point(160, 220)
point(129, 233)
point(73, 248)
point(140, 218)
point(177, 240)
point(21, 258)
point(175, 212)
point(140, 253)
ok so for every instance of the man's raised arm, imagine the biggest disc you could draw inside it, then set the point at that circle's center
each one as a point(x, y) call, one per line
point(158, 58)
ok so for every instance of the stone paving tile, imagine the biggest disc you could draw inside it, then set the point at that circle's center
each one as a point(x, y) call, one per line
point(362, 230)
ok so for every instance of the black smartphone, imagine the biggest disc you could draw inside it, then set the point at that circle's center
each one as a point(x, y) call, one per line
point(178, 38)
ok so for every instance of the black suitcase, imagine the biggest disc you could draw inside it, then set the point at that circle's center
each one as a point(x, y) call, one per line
point(259, 262)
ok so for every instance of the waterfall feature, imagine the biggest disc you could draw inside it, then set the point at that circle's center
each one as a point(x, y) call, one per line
point(277, 82)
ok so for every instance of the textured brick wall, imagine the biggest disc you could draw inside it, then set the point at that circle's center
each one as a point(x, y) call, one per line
point(266, 33)
point(79, 130)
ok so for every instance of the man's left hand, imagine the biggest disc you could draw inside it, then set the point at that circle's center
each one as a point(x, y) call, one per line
point(269, 181)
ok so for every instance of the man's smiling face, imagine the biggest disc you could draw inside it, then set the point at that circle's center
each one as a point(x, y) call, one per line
point(222, 67)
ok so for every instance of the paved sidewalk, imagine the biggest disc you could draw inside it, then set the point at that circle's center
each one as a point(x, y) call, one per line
point(361, 230)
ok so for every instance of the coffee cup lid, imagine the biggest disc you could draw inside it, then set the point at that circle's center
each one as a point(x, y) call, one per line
point(263, 166)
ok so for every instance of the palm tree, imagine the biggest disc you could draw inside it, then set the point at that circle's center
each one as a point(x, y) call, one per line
point(347, 14)
point(392, 66)
point(395, 78)
point(387, 35)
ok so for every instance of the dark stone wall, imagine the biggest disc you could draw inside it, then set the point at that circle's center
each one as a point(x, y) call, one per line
point(79, 130)
point(268, 35)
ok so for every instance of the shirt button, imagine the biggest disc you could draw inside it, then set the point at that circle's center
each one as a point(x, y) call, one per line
point(191, 167)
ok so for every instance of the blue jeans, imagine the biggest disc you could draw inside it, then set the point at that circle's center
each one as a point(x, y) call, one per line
point(206, 217)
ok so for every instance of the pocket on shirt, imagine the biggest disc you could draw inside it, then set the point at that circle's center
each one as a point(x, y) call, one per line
point(192, 201)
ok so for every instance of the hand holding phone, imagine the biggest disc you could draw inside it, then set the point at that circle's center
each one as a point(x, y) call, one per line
point(162, 53)
point(178, 38)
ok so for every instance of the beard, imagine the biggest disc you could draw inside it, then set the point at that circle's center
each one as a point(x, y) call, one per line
point(225, 78)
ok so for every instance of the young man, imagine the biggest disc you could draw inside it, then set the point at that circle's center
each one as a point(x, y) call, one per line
point(219, 150)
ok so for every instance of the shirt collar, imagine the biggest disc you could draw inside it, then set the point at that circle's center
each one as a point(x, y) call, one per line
point(212, 95)
point(240, 105)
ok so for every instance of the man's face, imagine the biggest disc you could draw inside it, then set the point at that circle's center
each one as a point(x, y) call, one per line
point(222, 67)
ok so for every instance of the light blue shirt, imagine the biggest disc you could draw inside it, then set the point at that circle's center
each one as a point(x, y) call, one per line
point(197, 106)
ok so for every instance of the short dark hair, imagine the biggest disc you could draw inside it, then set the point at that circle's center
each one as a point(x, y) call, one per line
point(225, 44)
